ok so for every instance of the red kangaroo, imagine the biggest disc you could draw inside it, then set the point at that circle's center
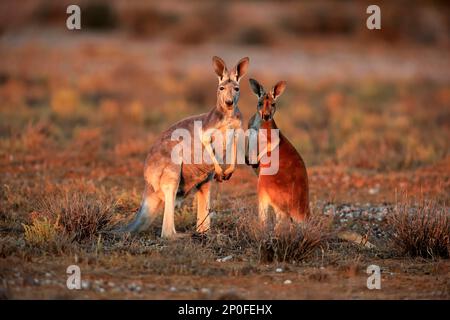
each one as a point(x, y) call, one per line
point(286, 191)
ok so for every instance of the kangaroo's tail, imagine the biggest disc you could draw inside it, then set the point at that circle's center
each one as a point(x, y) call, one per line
point(355, 238)
point(140, 222)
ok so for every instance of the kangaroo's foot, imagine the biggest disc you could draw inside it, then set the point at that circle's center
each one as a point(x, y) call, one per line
point(175, 236)
point(168, 234)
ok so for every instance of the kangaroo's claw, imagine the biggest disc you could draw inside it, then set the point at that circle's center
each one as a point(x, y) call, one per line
point(227, 176)
point(218, 177)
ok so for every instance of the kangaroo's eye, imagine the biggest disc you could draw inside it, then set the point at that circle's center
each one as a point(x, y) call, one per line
point(236, 89)
point(222, 88)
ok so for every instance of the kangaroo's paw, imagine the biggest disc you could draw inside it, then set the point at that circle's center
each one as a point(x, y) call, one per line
point(228, 173)
point(219, 176)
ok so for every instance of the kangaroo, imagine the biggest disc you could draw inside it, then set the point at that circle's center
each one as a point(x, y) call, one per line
point(166, 181)
point(286, 191)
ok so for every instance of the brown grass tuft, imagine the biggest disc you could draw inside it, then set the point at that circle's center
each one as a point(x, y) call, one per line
point(421, 230)
point(288, 241)
point(78, 214)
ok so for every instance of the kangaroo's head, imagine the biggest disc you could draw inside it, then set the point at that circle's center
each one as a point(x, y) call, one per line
point(267, 101)
point(228, 88)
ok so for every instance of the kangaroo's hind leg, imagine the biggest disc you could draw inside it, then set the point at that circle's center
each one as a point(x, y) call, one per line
point(203, 218)
point(263, 208)
point(169, 182)
point(281, 219)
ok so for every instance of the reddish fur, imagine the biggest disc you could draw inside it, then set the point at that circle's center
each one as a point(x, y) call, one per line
point(287, 190)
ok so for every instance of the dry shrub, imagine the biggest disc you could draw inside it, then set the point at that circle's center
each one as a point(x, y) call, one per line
point(131, 148)
point(135, 111)
point(46, 233)
point(41, 231)
point(64, 102)
point(109, 109)
point(87, 142)
point(10, 245)
point(144, 21)
point(101, 16)
point(31, 140)
point(35, 135)
point(421, 230)
point(77, 214)
point(392, 150)
point(256, 35)
point(288, 241)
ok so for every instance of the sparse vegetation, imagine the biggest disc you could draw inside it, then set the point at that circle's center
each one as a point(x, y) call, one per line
point(286, 242)
point(41, 231)
point(421, 229)
point(77, 214)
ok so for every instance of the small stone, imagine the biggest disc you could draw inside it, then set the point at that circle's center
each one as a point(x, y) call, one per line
point(205, 290)
point(85, 284)
point(172, 289)
point(225, 259)
point(279, 270)
point(134, 287)
point(29, 281)
point(287, 281)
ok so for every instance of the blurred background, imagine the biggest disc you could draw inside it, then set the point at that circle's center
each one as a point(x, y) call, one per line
point(366, 99)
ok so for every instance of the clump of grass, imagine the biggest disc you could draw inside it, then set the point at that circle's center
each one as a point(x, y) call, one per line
point(421, 230)
point(288, 241)
point(41, 231)
point(79, 215)
point(45, 233)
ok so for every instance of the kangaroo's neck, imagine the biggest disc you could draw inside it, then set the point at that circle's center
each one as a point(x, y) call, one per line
point(218, 114)
point(269, 124)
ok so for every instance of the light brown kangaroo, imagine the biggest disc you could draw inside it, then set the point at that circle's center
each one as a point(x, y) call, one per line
point(166, 181)
point(286, 191)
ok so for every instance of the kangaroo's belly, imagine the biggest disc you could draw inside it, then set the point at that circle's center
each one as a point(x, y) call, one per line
point(288, 188)
point(194, 175)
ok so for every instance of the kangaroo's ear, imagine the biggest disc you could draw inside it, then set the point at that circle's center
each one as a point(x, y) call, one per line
point(278, 89)
point(219, 67)
point(256, 87)
point(241, 68)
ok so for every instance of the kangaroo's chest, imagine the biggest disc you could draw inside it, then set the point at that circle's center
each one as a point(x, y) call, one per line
point(230, 123)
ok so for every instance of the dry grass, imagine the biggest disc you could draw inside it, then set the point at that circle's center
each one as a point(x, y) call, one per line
point(79, 215)
point(422, 229)
point(287, 242)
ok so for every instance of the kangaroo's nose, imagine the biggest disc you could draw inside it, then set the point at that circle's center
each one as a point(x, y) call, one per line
point(266, 117)
point(229, 102)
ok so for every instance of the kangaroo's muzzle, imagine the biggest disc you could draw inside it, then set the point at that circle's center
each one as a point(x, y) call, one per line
point(229, 104)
